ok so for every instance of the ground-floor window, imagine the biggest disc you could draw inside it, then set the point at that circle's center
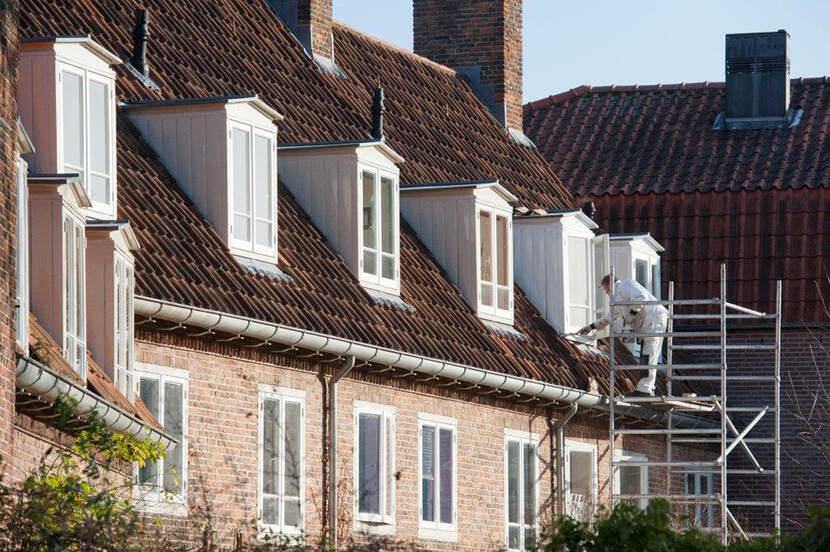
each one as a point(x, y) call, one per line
point(631, 480)
point(700, 515)
point(581, 499)
point(521, 489)
point(280, 497)
point(163, 483)
point(437, 460)
point(374, 477)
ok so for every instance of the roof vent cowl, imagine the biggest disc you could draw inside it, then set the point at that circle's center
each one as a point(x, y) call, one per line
point(757, 76)
point(140, 37)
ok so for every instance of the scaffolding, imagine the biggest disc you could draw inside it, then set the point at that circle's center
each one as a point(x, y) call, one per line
point(748, 503)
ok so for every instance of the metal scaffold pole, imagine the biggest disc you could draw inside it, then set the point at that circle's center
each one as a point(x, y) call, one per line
point(733, 413)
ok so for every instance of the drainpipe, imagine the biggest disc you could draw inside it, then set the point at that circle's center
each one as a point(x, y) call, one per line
point(340, 374)
point(560, 453)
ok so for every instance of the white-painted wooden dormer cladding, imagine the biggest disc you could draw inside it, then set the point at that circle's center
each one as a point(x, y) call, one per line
point(110, 273)
point(223, 153)
point(57, 262)
point(66, 97)
point(559, 264)
point(350, 190)
point(468, 229)
point(637, 257)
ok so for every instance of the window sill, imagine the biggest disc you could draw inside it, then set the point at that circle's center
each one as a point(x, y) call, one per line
point(160, 506)
point(271, 534)
point(374, 527)
point(438, 534)
point(373, 285)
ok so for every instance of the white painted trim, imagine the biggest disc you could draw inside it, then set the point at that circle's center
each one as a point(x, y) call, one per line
point(522, 438)
point(493, 312)
point(157, 369)
point(522, 434)
point(623, 456)
point(437, 419)
point(377, 281)
point(282, 395)
point(437, 530)
point(579, 446)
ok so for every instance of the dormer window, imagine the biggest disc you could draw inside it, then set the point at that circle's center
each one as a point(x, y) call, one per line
point(350, 192)
point(559, 264)
point(254, 190)
point(379, 264)
point(637, 257)
point(223, 153)
point(468, 228)
point(67, 102)
point(495, 263)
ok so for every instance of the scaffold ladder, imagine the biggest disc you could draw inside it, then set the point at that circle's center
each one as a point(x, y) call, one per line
point(749, 422)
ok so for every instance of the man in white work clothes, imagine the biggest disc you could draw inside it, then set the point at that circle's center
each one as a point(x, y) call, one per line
point(646, 318)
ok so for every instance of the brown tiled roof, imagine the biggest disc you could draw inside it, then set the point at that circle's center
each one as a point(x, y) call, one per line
point(231, 47)
point(756, 199)
point(322, 295)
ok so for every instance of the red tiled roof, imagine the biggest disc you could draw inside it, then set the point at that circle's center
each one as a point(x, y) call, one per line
point(322, 294)
point(231, 47)
point(756, 199)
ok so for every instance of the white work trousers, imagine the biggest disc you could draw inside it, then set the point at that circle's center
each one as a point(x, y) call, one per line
point(652, 346)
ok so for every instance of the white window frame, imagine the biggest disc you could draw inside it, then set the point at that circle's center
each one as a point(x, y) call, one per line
point(124, 372)
point(699, 479)
point(522, 438)
point(436, 529)
point(159, 501)
point(242, 247)
point(493, 309)
point(579, 446)
point(22, 253)
point(73, 341)
point(377, 280)
point(625, 456)
point(283, 395)
point(368, 521)
point(85, 171)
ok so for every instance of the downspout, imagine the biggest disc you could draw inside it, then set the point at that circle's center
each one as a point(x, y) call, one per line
point(560, 453)
point(340, 374)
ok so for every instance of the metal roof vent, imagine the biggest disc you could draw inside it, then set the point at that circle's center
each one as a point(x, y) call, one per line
point(757, 76)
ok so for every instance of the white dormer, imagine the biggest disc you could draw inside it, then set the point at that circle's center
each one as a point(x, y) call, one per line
point(57, 262)
point(468, 229)
point(350, 191)
point(559, 264)
point(66, 97)
point(110, 272)
point(637, 257)
point(223, 153)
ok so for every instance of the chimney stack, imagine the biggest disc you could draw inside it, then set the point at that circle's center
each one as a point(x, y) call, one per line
point(311, 23)
point(757, 76)
point(481, 39)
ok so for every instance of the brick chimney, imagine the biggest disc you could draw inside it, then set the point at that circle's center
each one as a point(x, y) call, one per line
point(481, 39)
point(310, 21)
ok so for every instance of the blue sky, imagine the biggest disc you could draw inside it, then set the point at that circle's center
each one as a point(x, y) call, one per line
point(570, 43)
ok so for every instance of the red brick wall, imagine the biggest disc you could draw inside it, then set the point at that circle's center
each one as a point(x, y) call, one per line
point(8, 217)
point(468, 33)
point(223, 384)
point(318, 15)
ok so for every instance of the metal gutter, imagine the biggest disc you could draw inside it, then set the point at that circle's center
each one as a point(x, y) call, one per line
point(41, 381)
point(417, 364)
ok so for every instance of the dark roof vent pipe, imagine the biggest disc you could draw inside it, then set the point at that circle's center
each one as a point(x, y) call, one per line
point(377, 113)
point(757, 76)
point(140, 36)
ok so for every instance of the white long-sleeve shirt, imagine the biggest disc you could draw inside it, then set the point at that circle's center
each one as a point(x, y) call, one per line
point(630, 291)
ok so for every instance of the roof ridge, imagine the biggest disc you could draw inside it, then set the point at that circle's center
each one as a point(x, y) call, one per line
point(399, 49)
point(586, 88)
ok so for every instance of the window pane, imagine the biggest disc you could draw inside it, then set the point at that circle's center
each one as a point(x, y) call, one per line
point(513, 458)
point(513, 537)
point(241, 186)
point(270, 446)
point(80, 284)
point(641, 272)
point(581, 472)
point(148, 390)
point(73, 130)
point(529, 476)
point(264, 234)
point(173, 426)
point(501, 250)
point(445, 448)
point(262, 158)
point(630, 480)
point(428, 473)
point(369, 463)
point(292, 513)
point(69, 273)
point(293, 460)
point(388, 267)
point(578, 270)
point(486, 248)
point(99, 150)
point(270, 510)
point(370, 262)
point(389, 478)
point(369, 213)
point(99, 188)
point(387, 214)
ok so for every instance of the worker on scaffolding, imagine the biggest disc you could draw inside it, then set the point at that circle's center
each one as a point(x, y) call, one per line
point(650, 319)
